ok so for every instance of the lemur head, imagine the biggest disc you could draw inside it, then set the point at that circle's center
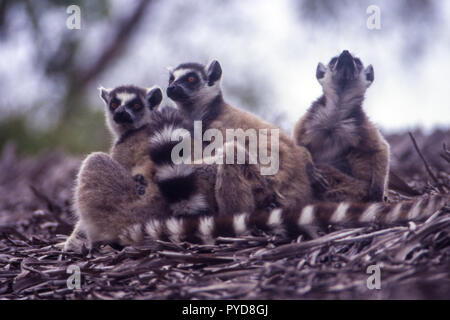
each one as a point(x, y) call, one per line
point(129, 107)
point(193, 85)
point(344, 72)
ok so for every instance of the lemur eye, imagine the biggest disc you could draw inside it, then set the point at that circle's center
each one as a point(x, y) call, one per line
point(171, 79)
point(333, 62)
point(113, 105)
point(191, 79)
point(137, 106)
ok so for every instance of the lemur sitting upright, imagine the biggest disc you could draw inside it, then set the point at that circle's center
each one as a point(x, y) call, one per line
point(196, 89)
point(340, 137)
point(128, 110)
point(109, 187)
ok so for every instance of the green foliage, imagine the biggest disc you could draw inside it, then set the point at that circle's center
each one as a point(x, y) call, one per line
point(82, 135)
point(79, 129)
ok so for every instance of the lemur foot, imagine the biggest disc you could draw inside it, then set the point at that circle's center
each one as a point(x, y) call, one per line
point(73, 245)
point(273, 206)
point(375, 194)
point(318, 181)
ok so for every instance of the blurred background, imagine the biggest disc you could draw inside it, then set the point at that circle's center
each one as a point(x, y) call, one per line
point(269, 51)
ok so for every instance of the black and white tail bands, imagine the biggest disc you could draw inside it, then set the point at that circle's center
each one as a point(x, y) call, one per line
point(177, 182)
point(205, 229)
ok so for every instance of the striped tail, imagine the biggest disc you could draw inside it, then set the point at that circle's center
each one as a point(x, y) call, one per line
point(205, 229)
point(177, 183)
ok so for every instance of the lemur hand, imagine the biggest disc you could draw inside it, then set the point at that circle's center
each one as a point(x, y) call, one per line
point(141, 184)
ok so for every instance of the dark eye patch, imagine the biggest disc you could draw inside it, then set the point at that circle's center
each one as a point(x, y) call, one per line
point(332, 62)
point(189, 76)
point(171, 79)
point(133, 102)
point(358, 63)
point(114, 104)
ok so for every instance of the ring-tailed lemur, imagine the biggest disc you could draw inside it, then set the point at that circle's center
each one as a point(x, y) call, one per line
point(196, 89)
point(340, 137)
point(131, 178)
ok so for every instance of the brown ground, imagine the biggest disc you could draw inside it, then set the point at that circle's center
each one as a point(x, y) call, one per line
point(35, 196)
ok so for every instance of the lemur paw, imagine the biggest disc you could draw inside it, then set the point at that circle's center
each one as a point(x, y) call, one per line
point(140, 190)
point(273, 205)
point(318, 181)
point(141, 184)
point(375, 194)
point(139, 178)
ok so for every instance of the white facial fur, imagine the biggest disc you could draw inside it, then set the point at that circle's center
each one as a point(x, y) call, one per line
point(180, 73)
point(125, 97)
point(345, 98)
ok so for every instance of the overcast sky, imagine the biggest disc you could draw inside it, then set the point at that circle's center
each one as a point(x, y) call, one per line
point(267, 44)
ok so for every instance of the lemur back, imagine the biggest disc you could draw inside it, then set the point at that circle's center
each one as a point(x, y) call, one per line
point(342, 141)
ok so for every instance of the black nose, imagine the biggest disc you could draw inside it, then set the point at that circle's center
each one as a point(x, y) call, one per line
point(345, 57)
point(122, 117)
point(345, 61)
point(171, 90)
point(175, 92)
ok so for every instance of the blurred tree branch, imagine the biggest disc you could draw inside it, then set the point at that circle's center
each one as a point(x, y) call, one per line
point(58, 55)
point(3, 11)
point(124, 30)
point(108, 54)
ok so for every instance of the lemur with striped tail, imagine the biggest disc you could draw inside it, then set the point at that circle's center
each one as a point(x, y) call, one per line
point(348, 148)
point(122, 188)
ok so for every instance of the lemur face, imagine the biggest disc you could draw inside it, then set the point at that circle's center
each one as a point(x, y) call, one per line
point(343, 71)
point(128, 107)
point(193, 82)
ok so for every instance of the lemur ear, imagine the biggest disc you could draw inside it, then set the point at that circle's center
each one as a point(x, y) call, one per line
point(154, 97)
point(104, 94)
point(370, 75)
point(214, 72)
point(320, 71)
